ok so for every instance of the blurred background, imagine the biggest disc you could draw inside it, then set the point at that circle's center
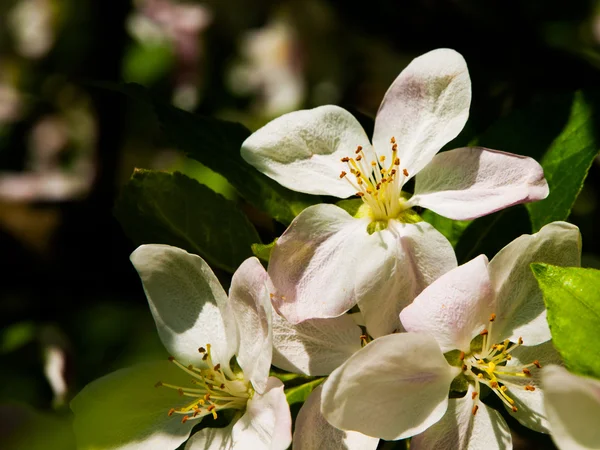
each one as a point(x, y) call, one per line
point(71, 306)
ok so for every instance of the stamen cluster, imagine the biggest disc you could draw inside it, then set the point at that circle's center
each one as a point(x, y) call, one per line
point(213, 390)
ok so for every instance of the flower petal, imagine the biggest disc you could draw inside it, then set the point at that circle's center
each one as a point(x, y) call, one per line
point(424, 108)
point(267, 423)
point(211, 439)
point(530, 404)
point(251, 306)
point(189, 305)
point(395, 387)
point(520, 307)
point(124, 410)
point(314, 347)
point(573, 408)
point(313, 432)
point(320, 266)
point(471, 182)
point(419, 256)
point(455, 307)
point(459, 429)
point(302, 150)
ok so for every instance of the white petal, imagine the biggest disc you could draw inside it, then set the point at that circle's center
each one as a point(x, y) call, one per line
point(459, 429)
point(471, 182)
point(455, 307)
point(520, 306)
point(573, 408)
point(267, 423)
point(124, 410)
point(302, 150)
point(395, 387)
point(211, 439)
point(313, 432)
point(251, 306)
point(189, 305)
point(530, 404)
point(419, 256)
point(424, 108)
point(314, 347)
point(319, 267)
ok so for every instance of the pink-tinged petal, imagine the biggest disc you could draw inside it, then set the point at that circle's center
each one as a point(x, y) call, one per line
point(314, 347)
point(125, 410)
point(424, 108)
point(322, 262)
point(572, 404)
point(459, 429)
point(212, 439)
point(267, 423)
point(455, 307)
point(395, 387)
point(530, 403)
point(520, 306)
point(471, 182)
point(251, 306)
point(313, 432)
point(420, 255)
point(302, 150)
point(189, 305)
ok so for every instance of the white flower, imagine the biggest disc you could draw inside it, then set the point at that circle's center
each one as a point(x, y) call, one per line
point(327, 261)
point(155, 406)
point(317, 347)
point(478, 328)
point(572, 404)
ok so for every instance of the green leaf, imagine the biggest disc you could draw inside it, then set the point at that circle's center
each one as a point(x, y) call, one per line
point(164, 208)
point(16, 335)
point(572, 297)
point(263, 251)
point(299, 394)
point(489, 234)
point(561, 133)
point(451, 229)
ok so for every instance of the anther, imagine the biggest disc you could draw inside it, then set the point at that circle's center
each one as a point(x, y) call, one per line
point(395, 147)
point(527, 372)
point(464, 367)
point(185, 419)
point(503, 388)
point(530, 388)
point(171, 412)
point(345, 159)
point(205, 357)
point(217, 367)
point(484, 332)
point(222, 386)
point(382, 158)
point(360, 194)
point(492, 317)
point(158, 384)
point(473, 395)
point(479, 375)
point(462, 356)
point(203, 350)
point(358, 149)
point(537, 364)
point(397, 162)
point(393, 140)
point(343, 174)
point(474, 410)
point(405, 172)
point(520, 341)
point(494, 384)
point(359, 157)
point(171, 358)
point(373, 163)
point(514, 409)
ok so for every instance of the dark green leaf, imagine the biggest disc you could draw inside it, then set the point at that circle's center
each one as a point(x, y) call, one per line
point(299, 394)
point(164, 208)
point(572, 297)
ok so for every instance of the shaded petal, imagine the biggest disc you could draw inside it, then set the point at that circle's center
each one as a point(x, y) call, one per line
point(520, 306)
point(211, 439)
point(471, 182)
point(424, 108)
point(267, 423)
point(459, 429)
point(124, 410)
point(189, 305)
point(395, 387)
point(314, 347)
point(251, 306)
point(320, 265)
point(420, 255)
point(573, 408)
point(455, 307)
point(530, 404)
point(313, 432)
point(302, 150)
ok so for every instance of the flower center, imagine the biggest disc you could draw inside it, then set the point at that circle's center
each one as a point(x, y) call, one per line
point(212, 389)
point(377, 182)
point(491, 367)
